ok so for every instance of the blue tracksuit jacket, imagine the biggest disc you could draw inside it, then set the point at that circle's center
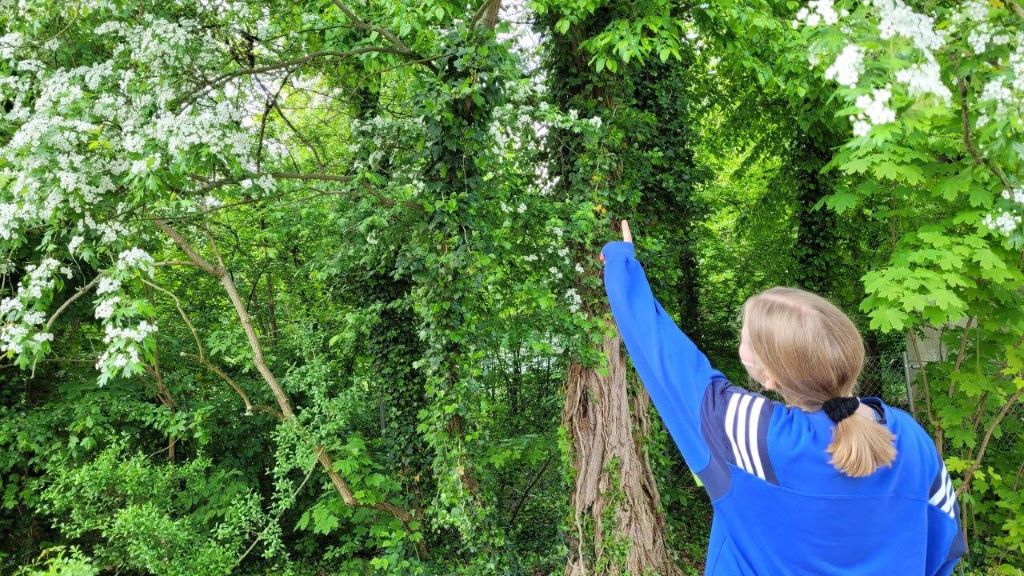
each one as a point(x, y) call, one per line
point(780, 507)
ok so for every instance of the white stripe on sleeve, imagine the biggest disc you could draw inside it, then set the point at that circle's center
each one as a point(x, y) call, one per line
point(755, 452)
point(730, 421)
point(741, 432)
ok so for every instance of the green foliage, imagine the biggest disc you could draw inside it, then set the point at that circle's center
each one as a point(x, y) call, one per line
point(408, 203)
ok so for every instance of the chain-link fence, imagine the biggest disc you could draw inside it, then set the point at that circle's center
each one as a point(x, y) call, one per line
point(1007, 439)
point(887, 378)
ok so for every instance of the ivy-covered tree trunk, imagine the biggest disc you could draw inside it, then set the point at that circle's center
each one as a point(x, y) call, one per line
point(619, 526)
point(446, 285)
point(666, 170)
point(816, 240)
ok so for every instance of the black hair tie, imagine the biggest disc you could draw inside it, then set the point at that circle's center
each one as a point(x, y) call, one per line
point(840, 407)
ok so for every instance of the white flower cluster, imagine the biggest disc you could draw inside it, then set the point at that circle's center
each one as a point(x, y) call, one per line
point(9, 44)
point(875, 110)
point(124, 346)
point(1006, 221)
point(574, 300)
point(847, 67)
point(898, 19)
point(895, 19)
point(816, 12)
point(135, 258)
point(21, 321)
point(923, 79)
point(981, 32)
point(543, 181)
point(1016, 195)
point(1003, 94)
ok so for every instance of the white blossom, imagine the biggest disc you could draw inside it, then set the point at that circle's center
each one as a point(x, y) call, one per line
point(574, 299)
point(135, 258)
point(875, 110)
point(847, 67)
point(1005, 223)
point(1017, 194)
point(898, 19)
point(34, 318)
point(106, 308)
point(924, 79)
point(816, 12)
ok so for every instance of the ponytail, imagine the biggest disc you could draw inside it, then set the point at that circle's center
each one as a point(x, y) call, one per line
point(861, 446)
point(814, 354)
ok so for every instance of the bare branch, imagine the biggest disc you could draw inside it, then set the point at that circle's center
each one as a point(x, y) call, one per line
point(927, 394)
point(1017, 8)
point(81, 292)
point(187, 249)
point(206, 363)
point(488, 12)
point(362, 25)
point(211, 185)
point(280, 512)
point(300, 135)
point(293, 63)
point(181, 311)
point(966, 127)
point(271, 101)
point(1010, 403)
point(283, 402)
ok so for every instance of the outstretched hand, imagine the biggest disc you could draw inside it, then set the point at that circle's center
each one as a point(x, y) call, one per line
point(627, 236)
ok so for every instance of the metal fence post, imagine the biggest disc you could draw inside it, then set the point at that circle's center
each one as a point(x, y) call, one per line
point(906, 378)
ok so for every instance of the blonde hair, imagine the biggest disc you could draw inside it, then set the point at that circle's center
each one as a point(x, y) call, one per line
point(813, 351)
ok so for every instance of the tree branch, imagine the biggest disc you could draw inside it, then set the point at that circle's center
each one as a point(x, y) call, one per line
point(400, 46)
point(1017, 9)
point(489, 8)
point(988, 436)
point(81, 292)
point(291, 63)
point(283, 402)
point(181, 311)
point(187, 249)
point(522, 499)
point(966, 127)
point(927, 394)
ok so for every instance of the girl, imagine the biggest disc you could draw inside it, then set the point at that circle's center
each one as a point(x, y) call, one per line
point(824, 484)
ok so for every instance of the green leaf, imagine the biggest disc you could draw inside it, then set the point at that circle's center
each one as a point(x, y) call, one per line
point(950, 187)
point(324, 521)
point(841, 201)
point(888, 319)
point(980, 197)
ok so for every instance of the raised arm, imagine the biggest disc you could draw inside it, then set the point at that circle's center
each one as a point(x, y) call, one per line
point(674, 371)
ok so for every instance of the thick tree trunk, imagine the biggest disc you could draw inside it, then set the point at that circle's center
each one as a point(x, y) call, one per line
point(818, 241)
point(619, 525)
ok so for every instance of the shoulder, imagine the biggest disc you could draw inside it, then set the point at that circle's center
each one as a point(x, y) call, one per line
point(735, 423)
point(912, 440)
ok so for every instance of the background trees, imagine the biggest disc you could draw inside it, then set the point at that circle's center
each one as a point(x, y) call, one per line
point(311, 287)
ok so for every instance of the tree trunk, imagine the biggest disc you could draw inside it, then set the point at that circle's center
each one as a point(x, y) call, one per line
point(620, 528)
